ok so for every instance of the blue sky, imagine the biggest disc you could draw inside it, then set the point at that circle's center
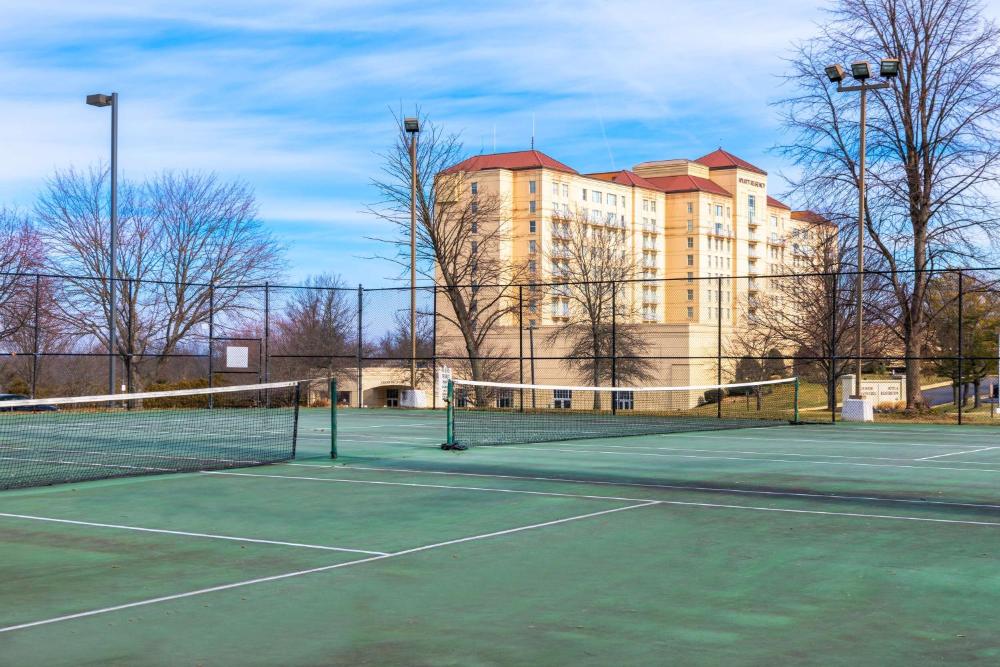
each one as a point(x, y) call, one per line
point(294, 97)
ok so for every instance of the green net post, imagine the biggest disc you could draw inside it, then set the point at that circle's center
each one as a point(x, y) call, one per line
point(796, 399)
point(333, 419)
point(451, 412)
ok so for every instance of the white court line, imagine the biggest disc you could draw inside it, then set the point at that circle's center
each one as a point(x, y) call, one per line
point(963, 432)
point(112, 454)
point(681, 503)
point(353, 428)
point(968, 451)
point(650, 485)
point(80, 463)
point(830, 441)
point(740, 451)
point(298, 573)
point(189, 534)
point(742, 458)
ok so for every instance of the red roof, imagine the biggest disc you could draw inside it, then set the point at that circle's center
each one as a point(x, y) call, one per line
point(514, 161)
point(687, 183)
point(811, 217)
point(771, 201)
point(721, 159)
point(625, 177)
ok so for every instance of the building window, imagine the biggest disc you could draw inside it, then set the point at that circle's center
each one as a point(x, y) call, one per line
point(474, 207)
point(690, 225)
point(652, 205)
point(562, 399)
point(475, 188)
point(532, 306)
point(751, 207)
point(532, 266)
point(624, 400)
point(532, 226)
point(475, 227)
point(690, 276)
point(555, 189)
point(532, 246)
point(565, 190)
point(690, 312)
point(475, 247)
point(532, 206)
point(690, 260)
point(690, 207)
point(505, 399)
point(612, 200)
point(532, 186)
point(718, 210)
point(584, 190)
point(690, 295)
point(645, 204)
point(531, 323)
point(690, 241)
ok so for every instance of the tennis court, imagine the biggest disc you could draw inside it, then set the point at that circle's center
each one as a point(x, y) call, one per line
point(812, 544)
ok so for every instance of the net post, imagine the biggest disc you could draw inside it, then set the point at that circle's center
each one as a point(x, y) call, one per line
point(718, 333)
point(295, 419)
point(796, 399)
point(333, 418)
point(361, 300)
point(451, 413)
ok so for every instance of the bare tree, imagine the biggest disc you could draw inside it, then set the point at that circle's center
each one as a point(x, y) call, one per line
point(178, 234)
point(932, 137)
point(460, 236)
point(594, 303)
point(317, 332)
point(21, 254)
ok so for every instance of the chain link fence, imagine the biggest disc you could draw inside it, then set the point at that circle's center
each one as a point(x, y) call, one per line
point(929, 351)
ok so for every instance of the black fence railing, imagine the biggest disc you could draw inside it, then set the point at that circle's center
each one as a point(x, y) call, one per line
point(929, 350)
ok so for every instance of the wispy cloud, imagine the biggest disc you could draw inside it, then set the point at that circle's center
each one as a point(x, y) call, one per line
point(294, 97)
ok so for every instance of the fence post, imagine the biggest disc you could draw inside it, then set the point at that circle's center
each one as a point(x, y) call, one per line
point(520, 345)
point(35, 343)
point(434, 347)
point(614, 334)
point(211, 342)
point(718, 326)
point(267, 331)
point(361, 291)
point(961, 369)
point(130, 335)
point(833, 348)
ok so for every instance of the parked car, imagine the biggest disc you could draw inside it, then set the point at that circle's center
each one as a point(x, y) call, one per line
point(23, 408)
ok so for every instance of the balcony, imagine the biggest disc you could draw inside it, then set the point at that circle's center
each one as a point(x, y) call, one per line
point(753, 254)
point(753, 237)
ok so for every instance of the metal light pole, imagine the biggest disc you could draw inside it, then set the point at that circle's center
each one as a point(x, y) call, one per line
point(861, 71)
point(101, 100)
point(412, 127)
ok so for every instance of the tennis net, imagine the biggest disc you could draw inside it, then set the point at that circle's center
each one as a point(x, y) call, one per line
point(494, 413)
point(54, 440)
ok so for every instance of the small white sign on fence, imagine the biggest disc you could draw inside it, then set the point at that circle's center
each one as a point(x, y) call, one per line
point(443, 376)
point(237, 356)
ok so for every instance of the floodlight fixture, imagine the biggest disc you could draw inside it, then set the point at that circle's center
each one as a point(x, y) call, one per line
point(99, 100)
point(861, 70)
point(889, 68)
point(835, 73)
point(411, 125)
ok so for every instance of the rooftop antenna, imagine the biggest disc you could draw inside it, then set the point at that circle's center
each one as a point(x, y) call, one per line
point(532, 131)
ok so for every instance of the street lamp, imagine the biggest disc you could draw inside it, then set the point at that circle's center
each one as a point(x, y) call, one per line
point(412, 128)
point(102, 100)
point(861, 71)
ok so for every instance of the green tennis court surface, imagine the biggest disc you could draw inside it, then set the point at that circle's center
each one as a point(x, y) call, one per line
point(807, 545)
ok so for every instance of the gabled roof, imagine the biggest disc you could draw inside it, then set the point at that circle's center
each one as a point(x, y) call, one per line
point(687, 183)
point(771, 201)
point(624, 177)
point(721, 159)
point(513, 161)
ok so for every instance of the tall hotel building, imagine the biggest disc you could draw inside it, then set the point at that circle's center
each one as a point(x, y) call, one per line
point(684, 220)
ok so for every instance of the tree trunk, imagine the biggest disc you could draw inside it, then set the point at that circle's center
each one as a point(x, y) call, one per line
point(976, 386)
point(914, 396)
